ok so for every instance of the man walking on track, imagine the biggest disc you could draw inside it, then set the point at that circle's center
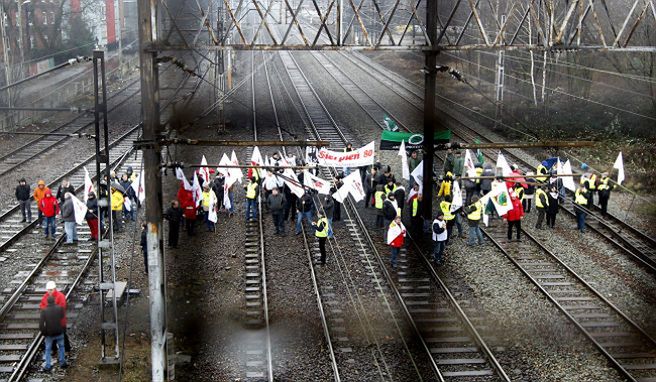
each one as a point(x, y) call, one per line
point(51, 327)
point(321, 232)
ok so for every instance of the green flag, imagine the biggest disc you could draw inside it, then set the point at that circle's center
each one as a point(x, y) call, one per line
point(391, 140)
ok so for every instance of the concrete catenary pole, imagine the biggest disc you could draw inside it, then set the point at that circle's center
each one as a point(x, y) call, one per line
point(147, 12)
point(429, 108)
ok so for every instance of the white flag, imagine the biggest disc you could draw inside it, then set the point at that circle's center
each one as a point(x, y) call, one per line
point(291, 180)
point(181, 176)
point(457, 197)
point(394, 231)
point(139, 187)
point(619, 165)
point(568, 181)
point(470, 167)
point(405, 170)
point(235, 172)
point(503, 163)
point(204, 171)
point(197, 190)
point(316, 183)
point(88, 185)
point(212, 216)
point(352, 185)
point(80, 209)
point(256, 157)
point(224, 162)
point(127, 203)
point(418, 174)
point(226, 197)
point(486, 217)
point(502, 201)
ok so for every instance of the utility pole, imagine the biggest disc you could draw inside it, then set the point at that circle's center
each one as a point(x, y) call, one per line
point(499, 80)
point(120, 38)
point(6, 59)
point(147, 13)
point(429, 108)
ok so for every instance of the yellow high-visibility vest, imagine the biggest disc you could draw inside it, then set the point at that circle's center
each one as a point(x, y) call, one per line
point(446, 210)
point(388, 189)
point(519, 191)
point(541, 170)
point(324, 231)
point(117, 201)
point(378, 198)
point(538, 201)
point(206, 199)
point(479, 172)
point(478, 211)
point(251, 190)
point(579, 198)
point(603, 184)
point(592, 182)
point(415, 206)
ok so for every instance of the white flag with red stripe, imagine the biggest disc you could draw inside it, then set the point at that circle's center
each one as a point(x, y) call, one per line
point(316, 183)
point(80, 209)
point(88, 185)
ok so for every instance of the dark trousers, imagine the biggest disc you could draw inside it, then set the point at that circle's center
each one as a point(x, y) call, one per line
point(322, 249)
point(190, 226)
point(26, 209)
point(541, 213)
point(367, 199)
point(174, 234)
point(526, 203)
point(449, 229)
point(337, 212)
point(551, 220)
point(603, 202)
point(438, 251)
point(379, 219)
point(580, 220)
point(278, 221)
point(517, 224)
point(417, 225)
point(116, 220)
point(145, 255)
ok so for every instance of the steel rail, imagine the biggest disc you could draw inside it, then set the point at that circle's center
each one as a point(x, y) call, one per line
point(322, 315)
point(21, 367)
point(33, 349)
point(553, 299)
point(397, 295)
point(63, 126)
point(633, 251)
point(265, 301)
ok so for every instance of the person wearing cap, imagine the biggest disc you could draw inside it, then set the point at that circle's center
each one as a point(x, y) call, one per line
point(60, 300)
point(53, 331)
point(24, 197)
point(49, 208)
point(117, 208)
point(440, 236)
point(40, 193)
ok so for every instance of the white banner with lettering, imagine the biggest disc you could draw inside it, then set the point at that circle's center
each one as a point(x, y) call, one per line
point(363, 156)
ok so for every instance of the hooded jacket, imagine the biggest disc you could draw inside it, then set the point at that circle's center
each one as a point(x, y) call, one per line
point(68, 211)
point(23, 192)
point(40, 193)
point(49, 205)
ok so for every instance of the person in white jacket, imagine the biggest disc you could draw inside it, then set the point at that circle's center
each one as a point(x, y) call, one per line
point(439, 237)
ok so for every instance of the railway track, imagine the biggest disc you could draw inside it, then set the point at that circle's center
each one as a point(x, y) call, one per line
point(630, 240)
point(626, 345)
point(19, 156)
point(20, 339)
point(423, 297)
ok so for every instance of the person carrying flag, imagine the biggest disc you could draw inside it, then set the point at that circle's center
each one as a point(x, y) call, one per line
point(395, 238)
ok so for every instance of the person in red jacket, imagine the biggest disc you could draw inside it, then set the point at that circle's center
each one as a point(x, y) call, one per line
point(395, 238)
point(49, 207)
point(60, 299)
point(514, 216)
point(186, 201)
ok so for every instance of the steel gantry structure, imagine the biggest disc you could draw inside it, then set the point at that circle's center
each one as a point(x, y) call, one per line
point(535, 25)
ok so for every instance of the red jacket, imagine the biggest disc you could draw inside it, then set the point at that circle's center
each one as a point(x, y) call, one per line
point(186, 200)
point(60, 299)
point(398, 241)
point(49, 205)
point(516, 213)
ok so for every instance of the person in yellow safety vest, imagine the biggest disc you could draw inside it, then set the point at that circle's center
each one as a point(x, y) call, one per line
point(581, 198)
point(390, 187)
point(604, 188)
point(208, 201)
point(541, 203)
point(449, 217)
point(321, 233)
point(117, 208)
point(252, 190)
point(479, 172)
point(519, 191)
point(379, 199)
point(445, 186)
point(415, 211)
point(542, 172)
point(474, 214)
